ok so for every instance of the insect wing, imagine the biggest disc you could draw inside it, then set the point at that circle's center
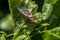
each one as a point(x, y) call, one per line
point(24, 10)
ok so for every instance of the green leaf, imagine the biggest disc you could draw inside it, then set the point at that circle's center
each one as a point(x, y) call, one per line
point(56, 9)
point(28, 38)
point(2, 37)
point(47, 8)
point(54, 19)
point(54, 1)
point(7, 23)
point(21, 37)
point(53, 34)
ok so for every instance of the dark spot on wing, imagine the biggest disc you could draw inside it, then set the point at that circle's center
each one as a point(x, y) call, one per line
point(24, 10)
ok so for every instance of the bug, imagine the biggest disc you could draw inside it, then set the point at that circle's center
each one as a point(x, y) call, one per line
point(26, 13)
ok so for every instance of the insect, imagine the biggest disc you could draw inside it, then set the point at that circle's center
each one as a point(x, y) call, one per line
point(26, 13)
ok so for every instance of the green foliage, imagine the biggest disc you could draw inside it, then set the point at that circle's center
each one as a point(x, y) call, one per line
point(53, 34)
point(15, 26)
